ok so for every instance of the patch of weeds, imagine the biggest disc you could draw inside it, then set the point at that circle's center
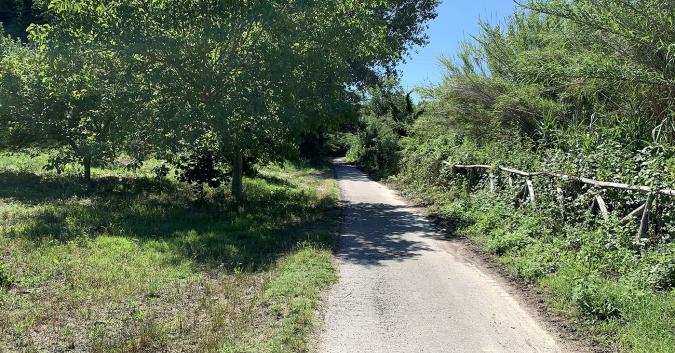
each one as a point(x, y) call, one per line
point(596, 299)
point(6, 278)
point(536, 260)
point(453, 214)
point(656, 270)
point(148, 337)
point(502, 240)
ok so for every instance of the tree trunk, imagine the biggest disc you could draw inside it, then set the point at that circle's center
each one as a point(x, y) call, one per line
point(87, 169)
point(237, 175)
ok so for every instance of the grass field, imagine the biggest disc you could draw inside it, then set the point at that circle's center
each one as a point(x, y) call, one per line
point(133, 263)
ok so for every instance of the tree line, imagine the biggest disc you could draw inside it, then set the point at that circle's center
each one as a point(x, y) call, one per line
point(241, 81)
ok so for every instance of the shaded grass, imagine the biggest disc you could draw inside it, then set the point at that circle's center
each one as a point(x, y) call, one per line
point(132, 264)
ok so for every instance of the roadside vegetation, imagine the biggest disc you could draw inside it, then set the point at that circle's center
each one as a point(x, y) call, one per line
point(136, 263)
point(581, 87)
point(151, 194)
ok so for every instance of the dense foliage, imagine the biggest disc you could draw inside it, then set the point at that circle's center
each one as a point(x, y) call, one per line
point(386, 115)
point(17, 15)
point(581, 87)
point(111, 77)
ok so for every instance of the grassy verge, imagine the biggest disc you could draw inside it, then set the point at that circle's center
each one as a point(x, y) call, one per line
point(133, 263)
point(623, 297)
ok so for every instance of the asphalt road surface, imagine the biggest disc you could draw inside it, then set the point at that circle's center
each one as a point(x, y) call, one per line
point(404, 289)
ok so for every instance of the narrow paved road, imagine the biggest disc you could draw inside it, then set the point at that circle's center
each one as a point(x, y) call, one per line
point(403, 289)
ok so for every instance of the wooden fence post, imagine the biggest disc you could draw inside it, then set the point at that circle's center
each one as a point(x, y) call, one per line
point(633, 214)
point(599, 205)
point(560, 196)
point(530, 190)
point(644, 223)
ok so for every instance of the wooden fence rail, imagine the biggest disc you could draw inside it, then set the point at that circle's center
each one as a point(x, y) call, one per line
point(599, 205)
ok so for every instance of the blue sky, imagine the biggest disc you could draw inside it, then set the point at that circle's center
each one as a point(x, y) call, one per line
point(457, 20)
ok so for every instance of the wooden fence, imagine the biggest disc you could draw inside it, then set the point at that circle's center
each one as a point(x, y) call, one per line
point(599, 205)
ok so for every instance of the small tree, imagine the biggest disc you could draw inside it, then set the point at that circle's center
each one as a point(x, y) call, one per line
point(68, 95)
point(199, 165)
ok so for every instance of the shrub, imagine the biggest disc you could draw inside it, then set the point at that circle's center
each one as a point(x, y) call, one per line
point(655, 271)
point(375, 148)
point(537, 260)
point(199, 167)
point(504, 240)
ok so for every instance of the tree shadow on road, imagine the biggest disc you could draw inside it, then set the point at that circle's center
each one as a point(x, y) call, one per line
point(375, 233)
point(347, 172)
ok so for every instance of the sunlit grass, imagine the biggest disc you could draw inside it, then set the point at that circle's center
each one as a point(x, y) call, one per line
point(135, 263)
